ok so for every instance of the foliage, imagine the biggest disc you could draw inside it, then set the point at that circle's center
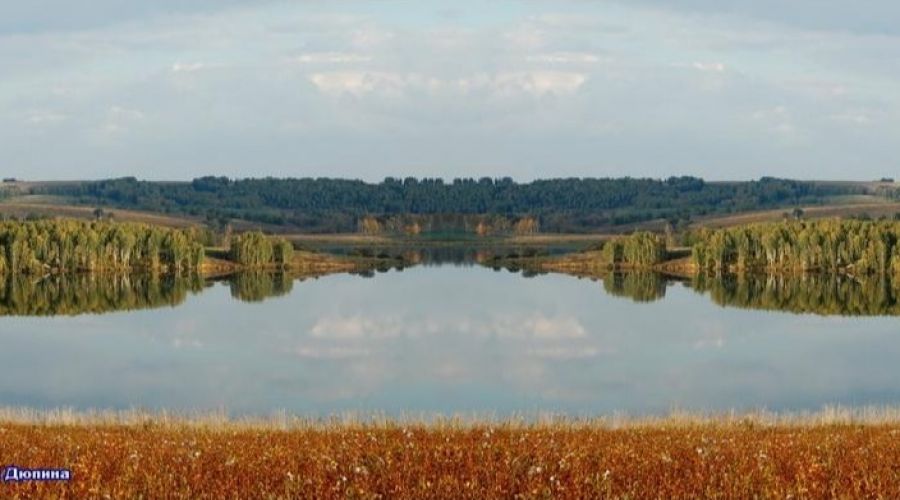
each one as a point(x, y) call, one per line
point(254, 249)
point(641, 249)
point(448, 223)
point(559, 204)
point(68, 245)
point(673, 459)
point(863, 247)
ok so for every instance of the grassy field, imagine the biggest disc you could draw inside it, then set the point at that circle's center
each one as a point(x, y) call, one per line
point(48, 206)
point(834, 453)
point(853, 208)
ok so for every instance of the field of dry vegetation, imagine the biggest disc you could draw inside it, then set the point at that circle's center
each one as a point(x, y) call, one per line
point(836, 453)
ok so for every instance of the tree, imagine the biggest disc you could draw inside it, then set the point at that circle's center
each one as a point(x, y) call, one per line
point(67, 245)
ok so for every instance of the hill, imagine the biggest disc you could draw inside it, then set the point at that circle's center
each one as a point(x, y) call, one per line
point(558, 205)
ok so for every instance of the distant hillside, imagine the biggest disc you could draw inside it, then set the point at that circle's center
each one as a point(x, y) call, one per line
point(560, 205)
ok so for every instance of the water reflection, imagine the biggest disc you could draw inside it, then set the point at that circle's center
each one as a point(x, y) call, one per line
point(258, 286)
point(827, 295)
point(638, 286)
point(62, 295)
point(460, 255)
point(450, 340)
point(824, 294)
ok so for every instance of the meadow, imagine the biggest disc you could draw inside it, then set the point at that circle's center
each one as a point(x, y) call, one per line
point(837, 453)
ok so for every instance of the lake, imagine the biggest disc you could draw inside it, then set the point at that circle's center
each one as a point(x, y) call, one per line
point(449, 337)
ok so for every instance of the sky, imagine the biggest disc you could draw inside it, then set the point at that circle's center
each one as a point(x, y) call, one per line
point(168, 89)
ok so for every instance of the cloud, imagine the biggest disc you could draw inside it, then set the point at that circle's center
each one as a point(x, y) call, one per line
point(180, 67)
point(709, 67)
point(306, 89)
point(565, 58)
point(330, 58)
point(45, 118)
point(536, 83)
point(120, 119)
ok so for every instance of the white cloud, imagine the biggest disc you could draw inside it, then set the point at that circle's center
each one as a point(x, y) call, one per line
point(120, 119)
point(540, 82)
point(857, 118)
point(709, 67)
point(565, 58)
point(330, 58)
point(45, 118)
point(180, 67)
point(536, 83)
point(330, 353)
point(565, 353)
point(304, 88)
point(360, 83)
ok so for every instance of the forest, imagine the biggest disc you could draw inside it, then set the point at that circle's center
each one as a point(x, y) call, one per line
point(336, 205)
point(34, 247)
point(830, 245)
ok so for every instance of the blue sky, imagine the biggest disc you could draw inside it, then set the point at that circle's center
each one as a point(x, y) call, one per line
point(723, 90)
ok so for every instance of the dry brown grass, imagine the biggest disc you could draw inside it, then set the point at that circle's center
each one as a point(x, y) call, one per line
point(873, 209)
point(45, 207)
point(835, 453)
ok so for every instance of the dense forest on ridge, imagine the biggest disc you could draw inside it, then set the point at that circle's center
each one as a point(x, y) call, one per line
point(571, 204)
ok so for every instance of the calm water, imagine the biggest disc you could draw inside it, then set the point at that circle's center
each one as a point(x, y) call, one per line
point(448, 339)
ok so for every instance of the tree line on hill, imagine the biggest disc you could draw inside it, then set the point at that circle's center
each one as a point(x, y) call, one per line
point(569, 204)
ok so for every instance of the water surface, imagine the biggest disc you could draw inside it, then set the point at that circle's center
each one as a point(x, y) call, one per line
point(449, 339)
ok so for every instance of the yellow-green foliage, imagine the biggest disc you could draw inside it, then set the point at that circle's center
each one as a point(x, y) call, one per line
point(641, 249)
point(833, 244)
point(69, 245)
point(254, 249)
point(283, 252)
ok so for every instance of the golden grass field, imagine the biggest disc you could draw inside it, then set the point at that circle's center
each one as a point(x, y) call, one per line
point(47, 206)
point(832, 454)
